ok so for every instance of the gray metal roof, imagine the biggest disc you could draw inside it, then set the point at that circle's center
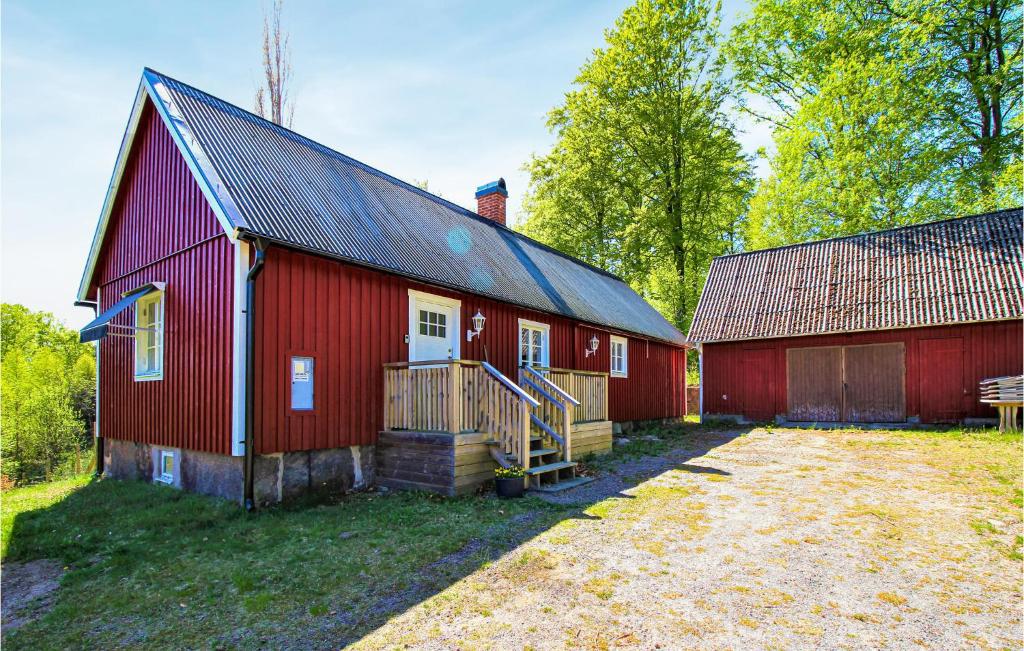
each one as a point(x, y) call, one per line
point(290, 189)
point(954, 271)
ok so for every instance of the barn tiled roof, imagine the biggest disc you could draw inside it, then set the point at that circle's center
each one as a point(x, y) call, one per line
point(954, 271)
point(277, 184)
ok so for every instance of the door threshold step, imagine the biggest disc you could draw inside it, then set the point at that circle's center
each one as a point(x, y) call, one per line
point(551, 467)
point(542, 451)
point(562, 485)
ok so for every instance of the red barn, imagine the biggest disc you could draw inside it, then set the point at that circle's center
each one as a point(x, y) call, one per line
point(896, 326)
point(276, 317)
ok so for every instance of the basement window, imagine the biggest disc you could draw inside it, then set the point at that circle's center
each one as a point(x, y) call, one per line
point(620, 356)
point(166, 474)
point(149, 337)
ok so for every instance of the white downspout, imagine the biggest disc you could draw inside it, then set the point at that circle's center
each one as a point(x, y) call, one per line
point(700, 382)
point(238, 318)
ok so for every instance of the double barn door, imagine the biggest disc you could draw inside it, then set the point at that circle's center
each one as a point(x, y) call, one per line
point(854, 384)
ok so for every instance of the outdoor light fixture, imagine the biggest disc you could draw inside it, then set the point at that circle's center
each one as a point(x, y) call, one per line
point(478, 326)
point(593, 346)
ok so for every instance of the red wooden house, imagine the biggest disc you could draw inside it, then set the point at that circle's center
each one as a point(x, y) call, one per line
point(895, 326)
point(276, 317)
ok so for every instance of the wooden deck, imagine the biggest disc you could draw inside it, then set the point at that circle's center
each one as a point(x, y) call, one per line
point(449, 423)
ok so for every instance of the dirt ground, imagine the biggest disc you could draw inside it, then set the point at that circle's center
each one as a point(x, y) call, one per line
point(758, 539)
point(27, 590)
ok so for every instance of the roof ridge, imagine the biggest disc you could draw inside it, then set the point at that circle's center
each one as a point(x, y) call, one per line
point(380, 173)
point(871, 233)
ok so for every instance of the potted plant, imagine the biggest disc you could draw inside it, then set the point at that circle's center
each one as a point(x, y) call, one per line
point(508, 482)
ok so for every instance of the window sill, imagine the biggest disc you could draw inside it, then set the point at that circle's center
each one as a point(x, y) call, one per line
point(163, 479)
point(149, 378)
point(621, 375)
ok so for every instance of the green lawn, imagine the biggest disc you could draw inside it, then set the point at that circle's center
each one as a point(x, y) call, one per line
point(149, 566)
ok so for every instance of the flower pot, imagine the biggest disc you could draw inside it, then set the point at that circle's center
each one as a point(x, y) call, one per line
point(509, 487)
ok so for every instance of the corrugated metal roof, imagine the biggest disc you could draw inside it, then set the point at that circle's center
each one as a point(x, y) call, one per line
point(954, 271)
point(292, 190)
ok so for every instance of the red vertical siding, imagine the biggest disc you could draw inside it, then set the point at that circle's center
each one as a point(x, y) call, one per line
point(352, 320)
point(162, 229)
point(733, 386)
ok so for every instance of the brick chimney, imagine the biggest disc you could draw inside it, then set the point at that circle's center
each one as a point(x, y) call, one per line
point(490, 200)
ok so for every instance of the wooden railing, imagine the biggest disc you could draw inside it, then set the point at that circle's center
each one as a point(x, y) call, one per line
point(552, 420)
point(590, 388)
point(458, 396)
point(505, 411)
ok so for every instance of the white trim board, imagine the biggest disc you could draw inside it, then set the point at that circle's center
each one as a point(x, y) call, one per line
point(198, 163)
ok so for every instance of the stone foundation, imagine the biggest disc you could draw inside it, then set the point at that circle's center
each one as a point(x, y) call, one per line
point(277, 477)
point(625, 427)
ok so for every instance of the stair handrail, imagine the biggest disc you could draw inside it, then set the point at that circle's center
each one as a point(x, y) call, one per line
point(551, 385)
point(510, 385)
point(562, 401)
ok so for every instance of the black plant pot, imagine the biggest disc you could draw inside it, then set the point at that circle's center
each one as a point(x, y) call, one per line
point(509, 486)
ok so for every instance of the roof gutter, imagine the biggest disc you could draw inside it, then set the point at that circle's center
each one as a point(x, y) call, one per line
point(250, 373)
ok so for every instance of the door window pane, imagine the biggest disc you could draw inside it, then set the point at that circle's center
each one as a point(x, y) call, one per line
point(433, 324)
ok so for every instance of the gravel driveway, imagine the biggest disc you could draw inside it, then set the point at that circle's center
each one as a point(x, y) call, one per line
point(760, 539)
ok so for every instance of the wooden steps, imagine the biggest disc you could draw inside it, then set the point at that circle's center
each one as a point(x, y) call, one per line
point(540, 452)
point(551, 467)
point(562, 485)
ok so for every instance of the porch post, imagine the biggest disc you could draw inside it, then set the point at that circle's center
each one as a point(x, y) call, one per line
point(454, 397)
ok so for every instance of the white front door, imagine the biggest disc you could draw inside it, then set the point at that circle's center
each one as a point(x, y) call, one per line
point(433, 327)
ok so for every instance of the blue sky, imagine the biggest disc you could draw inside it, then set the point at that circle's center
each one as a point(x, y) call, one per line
point(452, 92)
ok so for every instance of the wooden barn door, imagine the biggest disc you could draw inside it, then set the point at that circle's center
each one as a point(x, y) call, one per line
point(855, 384)
point(757, 397)
point(941, 382)
point(814, 377)
point(873, 382)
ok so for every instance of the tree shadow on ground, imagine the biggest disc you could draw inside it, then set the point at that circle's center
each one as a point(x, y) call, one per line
point(623, 469)
point(188, 555)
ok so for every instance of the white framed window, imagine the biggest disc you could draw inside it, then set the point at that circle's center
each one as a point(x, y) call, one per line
point(166, 473)
point(534, 340)
point(149, 337)
point(620, 356)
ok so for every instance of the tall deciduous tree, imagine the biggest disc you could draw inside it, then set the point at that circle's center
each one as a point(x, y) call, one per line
point(47, 393)
point(886, 112)
point(646, 177)
point(273, 100)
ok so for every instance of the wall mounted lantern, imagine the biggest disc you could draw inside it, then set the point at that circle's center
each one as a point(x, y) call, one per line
point(478, 326)
point(593, 346)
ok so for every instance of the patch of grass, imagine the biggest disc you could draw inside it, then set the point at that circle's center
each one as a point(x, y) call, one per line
point(748, 622)
point(145, 560)
point(892, 598)
point(600, 588)
point(983, 527)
